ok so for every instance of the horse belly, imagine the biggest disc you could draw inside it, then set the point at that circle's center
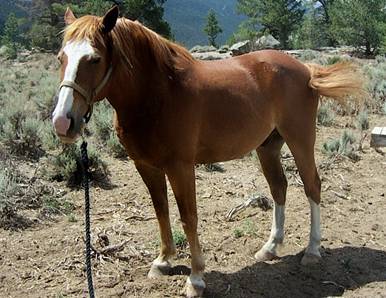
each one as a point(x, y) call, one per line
point(232, 128)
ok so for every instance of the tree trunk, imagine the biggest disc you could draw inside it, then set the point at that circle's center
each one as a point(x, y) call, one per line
point(368, 49)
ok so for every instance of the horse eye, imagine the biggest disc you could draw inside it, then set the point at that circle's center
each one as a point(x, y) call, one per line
point(95, 60)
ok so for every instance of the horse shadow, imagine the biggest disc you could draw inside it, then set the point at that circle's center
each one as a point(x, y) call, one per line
point(341, 269)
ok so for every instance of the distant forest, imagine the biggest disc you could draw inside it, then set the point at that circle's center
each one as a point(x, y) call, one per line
point(294, 23)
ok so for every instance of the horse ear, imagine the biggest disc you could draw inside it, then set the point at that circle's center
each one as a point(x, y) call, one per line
point(110, 19)
point(69, 16)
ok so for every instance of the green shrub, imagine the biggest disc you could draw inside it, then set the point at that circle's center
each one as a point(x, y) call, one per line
point(10, 51)
point(342, 146)
point(101, 124)
point(71, 217)
point(309, 55)
point(8, 188)
point(102, 128)
point(115, 147)
point(49, 138)
point(247, 229)
point(67, 165)
point(376, 84)
point(334, 59)
point(325, 115)
point(54, 206)
point(331, 147)
point(363, 121)
point(21, 135)
point(238, 233)
point(179, 238)
point(43, 91)
point(44, 36)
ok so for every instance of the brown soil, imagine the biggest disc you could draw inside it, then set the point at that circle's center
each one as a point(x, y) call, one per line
point(46, 260)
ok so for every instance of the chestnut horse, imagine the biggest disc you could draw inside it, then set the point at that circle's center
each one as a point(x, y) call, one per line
point(172, 112)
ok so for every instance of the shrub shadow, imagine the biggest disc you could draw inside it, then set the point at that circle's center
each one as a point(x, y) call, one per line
point(341, 269)
point(15, 222)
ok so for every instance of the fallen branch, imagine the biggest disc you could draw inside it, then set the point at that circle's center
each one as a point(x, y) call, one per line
point(140, 218)
point(329, 282)
point(110, 249)
point(340, 195)
point(258, 201)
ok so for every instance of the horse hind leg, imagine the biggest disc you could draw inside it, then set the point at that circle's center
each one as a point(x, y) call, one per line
point(269, 156)
point(302, 148)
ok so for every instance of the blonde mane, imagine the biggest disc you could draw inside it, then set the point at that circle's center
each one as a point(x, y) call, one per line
point(132, 41)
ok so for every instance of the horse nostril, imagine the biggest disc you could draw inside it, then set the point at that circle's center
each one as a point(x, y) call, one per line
point(61, 124)
point(72, 123)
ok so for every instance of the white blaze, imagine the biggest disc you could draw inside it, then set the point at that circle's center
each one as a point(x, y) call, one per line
point(75, 51)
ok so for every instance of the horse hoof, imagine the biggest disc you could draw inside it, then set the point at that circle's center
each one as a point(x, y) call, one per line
point(263, 255)
point(194, 288)
point(310, 259)
point(158, 270)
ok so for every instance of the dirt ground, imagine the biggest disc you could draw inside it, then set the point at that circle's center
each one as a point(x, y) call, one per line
point(46, 259)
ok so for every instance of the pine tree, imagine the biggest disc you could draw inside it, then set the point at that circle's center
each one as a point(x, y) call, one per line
point(10, 30)
point(278, 17)
point(360, 23)
point(212, 28)
point(324, 19)
point(148, 12)
point(9, 36)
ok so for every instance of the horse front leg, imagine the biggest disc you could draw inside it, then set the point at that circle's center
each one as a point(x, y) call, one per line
point(156, 184)
point(182, 180)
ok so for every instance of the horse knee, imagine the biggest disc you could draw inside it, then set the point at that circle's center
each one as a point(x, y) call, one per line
point(279, 190)
point(313, 189)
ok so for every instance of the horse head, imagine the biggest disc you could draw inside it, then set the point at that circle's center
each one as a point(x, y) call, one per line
point(86, 68)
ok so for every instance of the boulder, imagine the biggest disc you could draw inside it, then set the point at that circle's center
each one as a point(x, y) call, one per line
point(241, 47)
point(267, 42)
point(203, 49)
point(211, 55)
point(223, 49)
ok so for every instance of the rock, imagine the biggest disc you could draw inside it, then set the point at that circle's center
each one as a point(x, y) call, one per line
point(211, 55)
point(203, 49)
point(267, 42)
point(223, 49)
point(241, 47)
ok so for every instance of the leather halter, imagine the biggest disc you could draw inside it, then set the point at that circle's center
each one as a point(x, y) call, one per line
point(88, 96)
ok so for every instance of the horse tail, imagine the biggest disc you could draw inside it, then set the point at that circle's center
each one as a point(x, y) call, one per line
point(338, 81)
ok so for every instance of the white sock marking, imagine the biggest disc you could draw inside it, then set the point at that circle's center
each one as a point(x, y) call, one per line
point(315, 235)
point(196, 280)
point(277, 229)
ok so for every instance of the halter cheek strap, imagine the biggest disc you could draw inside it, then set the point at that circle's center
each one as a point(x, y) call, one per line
point(88, 96)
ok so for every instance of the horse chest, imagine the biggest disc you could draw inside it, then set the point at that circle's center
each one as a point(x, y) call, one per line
point(140, 143)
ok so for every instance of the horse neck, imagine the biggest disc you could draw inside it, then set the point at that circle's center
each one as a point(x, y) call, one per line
point(131, 92)
point(148, 81)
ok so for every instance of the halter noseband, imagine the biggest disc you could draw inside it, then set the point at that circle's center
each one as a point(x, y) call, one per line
point(88, 96)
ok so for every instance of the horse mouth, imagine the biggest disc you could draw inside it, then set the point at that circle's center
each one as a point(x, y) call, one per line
point(73, 133)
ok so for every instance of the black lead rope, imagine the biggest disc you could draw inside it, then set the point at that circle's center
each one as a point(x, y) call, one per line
point(86, 176)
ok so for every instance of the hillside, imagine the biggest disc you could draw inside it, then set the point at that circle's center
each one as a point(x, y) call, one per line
point(187, 18)
point(8, 6)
